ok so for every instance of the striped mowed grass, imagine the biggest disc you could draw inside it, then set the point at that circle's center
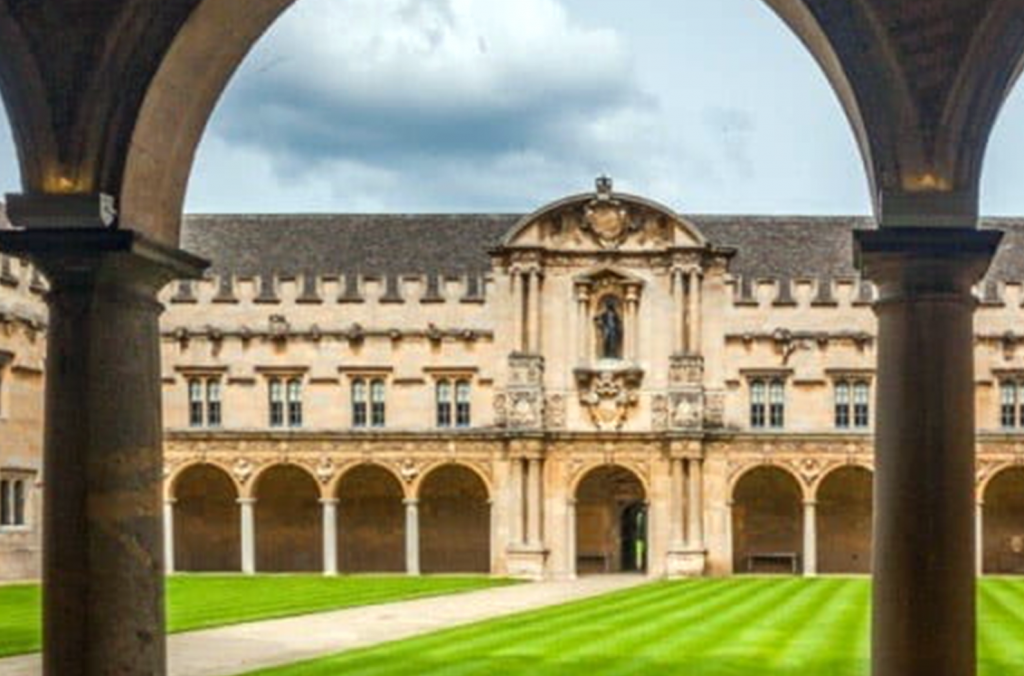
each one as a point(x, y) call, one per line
point(204, 601)
point(727, 627)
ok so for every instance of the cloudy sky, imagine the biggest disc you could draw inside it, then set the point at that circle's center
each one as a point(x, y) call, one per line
point(502, 105)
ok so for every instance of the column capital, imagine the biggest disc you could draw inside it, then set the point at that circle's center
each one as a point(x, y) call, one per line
point(411, 502)
point(246, 501)
point(170, 502)
point(329, 501)
point(924, 261)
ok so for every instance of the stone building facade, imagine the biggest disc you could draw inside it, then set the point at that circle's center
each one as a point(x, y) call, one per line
point(600, 386)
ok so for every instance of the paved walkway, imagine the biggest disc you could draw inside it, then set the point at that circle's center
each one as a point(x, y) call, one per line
point(245, 647)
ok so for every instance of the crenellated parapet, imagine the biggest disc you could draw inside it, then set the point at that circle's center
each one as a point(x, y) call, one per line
point(801, 293)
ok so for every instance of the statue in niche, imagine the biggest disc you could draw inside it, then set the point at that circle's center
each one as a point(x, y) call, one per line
point(609, 328)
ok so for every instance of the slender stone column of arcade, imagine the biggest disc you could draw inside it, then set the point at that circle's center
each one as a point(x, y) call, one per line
point(979, 538)
point(924, 562)
point(695, 504)
point(534, 502)
point(103, 559)
point(570, 538)
point(247, 513)
point(810, 538)
point(330, 527)
point(169, 534)
point(412, 537)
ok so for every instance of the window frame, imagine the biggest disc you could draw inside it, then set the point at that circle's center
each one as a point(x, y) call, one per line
point(463, 402)
point(276, 402)
point(359, 394)
point(15, 497)
point(378, 403)
point(444, 418)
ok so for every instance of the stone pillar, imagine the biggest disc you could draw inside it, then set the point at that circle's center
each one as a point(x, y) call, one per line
point(570, 538)
point(103, 544)
point(679, 312)
point(694, 312)
point(169, 534)
point(534, 502)
point(412, 537)
point(330, 521)
point(632, 322)
point(924, 621)
point(583, 324)
point(695, 504)
point(517, 506)
point(678, 504)
point(518, 331)
point(979, 538)
point(727, 530)
point(810, 538)
point(248, 516)
point(535, 278)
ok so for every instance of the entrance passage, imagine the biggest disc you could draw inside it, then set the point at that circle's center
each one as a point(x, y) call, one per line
point(288, 522)
point(207, 532)
point(844, 521)
point(1003, 524)
point(767, 522)
point(371, 522)
point(611, 522)
point(455, 522)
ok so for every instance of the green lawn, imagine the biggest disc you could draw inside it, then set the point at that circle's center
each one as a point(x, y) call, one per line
point(737, 627)
point(197, 602)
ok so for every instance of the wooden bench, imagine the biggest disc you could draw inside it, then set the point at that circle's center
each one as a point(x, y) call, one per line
point(603, 559)
point(788, 559)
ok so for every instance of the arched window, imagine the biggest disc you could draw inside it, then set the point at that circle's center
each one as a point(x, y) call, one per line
point(462, 403)
point(13, 500)
point(444, 403)
point(359, 409)
point(776, 404)
point(295, 402)
point(377, 403)
point(757, 403)
point(276, 402)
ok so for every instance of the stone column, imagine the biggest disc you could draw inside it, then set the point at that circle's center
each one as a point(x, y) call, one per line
point(169, 534)
point(248, 516)
point(518, 332)
point(536, 310)
point(695, 504)
point(517, 506)
point(330, 525)
point(103, 544)
point(924, 621)
point(694, 312)
point(679, 312)
point(583, 324)
point(678, 504)
point(810, 538)
point(412, 537)
point(534, 502)
point(979, 538)
point(632, 322)
point(727, 530)
point(570, 538)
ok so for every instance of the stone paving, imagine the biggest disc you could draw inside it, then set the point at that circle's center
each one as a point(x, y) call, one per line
point(245, 647)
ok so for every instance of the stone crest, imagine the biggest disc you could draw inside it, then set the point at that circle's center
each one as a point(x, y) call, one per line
point(607, 219)
point(609, 394)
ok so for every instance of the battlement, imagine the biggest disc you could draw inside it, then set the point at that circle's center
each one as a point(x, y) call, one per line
point(344, 288)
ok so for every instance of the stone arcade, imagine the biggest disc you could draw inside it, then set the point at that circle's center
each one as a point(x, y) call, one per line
point(603, 385)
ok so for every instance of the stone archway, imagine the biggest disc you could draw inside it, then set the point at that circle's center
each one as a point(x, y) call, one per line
point(611, 522)
point(455, 522)
point(371, 521)
point(767, 522)
point(288, 521)
point(1003, 524)
point(844, 513)
point(207, 534)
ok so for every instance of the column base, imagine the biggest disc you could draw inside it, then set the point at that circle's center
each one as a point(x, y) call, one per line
point(527, 561)
point(686, 562)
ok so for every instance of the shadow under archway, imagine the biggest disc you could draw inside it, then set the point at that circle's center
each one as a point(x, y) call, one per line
point(1003, 524)
point(455, 522)
point(207, 531)
point(767, 522)
point(288, 522)
point(844, 521)
point(371, 522)
point(611, 522)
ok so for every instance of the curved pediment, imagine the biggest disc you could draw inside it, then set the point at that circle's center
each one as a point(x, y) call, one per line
point(604, 220)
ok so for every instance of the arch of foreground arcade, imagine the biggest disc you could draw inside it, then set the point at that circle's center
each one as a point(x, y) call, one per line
point(91, 93)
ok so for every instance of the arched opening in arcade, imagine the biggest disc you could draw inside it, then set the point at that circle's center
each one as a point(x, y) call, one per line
point(611, 522)
point(371, 521)
point(1003, 524)
point(288, 522)
point(844, 521)
point(207, 533)
point(767, 522)
point(455, 522)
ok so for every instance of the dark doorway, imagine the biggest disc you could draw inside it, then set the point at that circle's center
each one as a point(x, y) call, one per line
point(611, 522)
point(634, 538)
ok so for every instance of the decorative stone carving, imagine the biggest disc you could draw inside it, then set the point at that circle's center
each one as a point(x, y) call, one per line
point(660, 413)
point(325, 470)
point(243, 469)
point(686, 370)
point(554, 412)
point(524, 409)
point(609, 393)
point(687, 410)
point(526, 370)
point(409, 470)
point(524, 398)
point(714, 409)
point(279, 328)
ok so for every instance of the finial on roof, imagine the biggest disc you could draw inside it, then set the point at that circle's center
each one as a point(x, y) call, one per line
point(604, 185)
